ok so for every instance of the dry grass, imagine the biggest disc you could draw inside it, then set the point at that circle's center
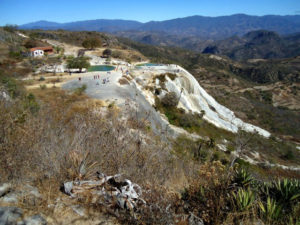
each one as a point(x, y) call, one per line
point(71, 132)
point(68, 123)
point(128, 55)
point(123, 81)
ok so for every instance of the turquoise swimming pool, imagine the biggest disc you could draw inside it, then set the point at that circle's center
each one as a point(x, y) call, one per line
point(101, 68)
point(150, 64)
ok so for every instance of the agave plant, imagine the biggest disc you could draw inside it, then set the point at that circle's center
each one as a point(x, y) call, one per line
point(82, 166)
point(271, 210)
point(244, 198)
point(288, 189)
point(280, 196)
point(285, 190)
point(243, 178)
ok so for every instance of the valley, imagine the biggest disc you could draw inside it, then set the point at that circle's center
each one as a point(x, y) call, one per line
point(153, 123)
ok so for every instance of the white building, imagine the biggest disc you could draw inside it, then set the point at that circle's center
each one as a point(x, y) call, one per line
point(40, 51)
point(37, 53)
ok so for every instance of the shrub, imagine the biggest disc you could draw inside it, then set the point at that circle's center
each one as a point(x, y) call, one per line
point(251, 116)
point(123, 81)
point(12, 86)
point(107, 52)
point(42, 78)
point(10, 28)
point(31, 103)
point(216, 156)
point(80, 90)
point(116, 54)
point(43, 86)
point(78, 63)
point(16, 55)
point(170, 100)
point(288, 155)
point(91, 43)
point(189, 120)
point(111, 105)
point(207, 196)
point(31, 43)
point(266, 96)
point(161, 78)
point(172, 76)
point(202, 113)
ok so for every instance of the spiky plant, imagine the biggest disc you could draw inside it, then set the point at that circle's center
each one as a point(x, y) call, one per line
point(82, 166)
point(287, 189)
point(242, 178)
point(244, 199)
point(286, 194)
point(270, 209)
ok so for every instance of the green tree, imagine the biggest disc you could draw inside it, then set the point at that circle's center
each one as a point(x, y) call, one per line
point(86, 44)
point(78, 63)
point(107, 52)
point(31, 43)
point(10, 28)
point(59, 50)
point(91, 43)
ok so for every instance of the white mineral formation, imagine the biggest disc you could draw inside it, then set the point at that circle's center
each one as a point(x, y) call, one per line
point(194, 98)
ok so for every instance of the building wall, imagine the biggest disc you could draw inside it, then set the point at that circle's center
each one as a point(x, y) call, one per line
point(37, 53)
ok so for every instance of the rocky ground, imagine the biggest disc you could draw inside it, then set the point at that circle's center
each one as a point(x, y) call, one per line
point(24, 204)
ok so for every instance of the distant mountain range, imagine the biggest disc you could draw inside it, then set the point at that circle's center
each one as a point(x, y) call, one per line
point(261, 44)
point(100, 25)
point(215, 28)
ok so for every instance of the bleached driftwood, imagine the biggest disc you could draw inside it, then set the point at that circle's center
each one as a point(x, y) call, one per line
point(126, 194)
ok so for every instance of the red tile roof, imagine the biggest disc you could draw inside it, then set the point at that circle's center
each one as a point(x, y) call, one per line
point(49, 48)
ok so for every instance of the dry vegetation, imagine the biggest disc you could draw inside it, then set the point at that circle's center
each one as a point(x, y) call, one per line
point(55, 125)
point(45, 134)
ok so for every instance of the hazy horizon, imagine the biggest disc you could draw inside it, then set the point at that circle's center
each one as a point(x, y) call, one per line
point(149, 20)
point(21, 12)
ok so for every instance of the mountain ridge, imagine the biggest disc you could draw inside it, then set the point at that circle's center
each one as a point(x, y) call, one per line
point(202, 26)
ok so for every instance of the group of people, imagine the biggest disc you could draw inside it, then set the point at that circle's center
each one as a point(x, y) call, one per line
point(126, 71)
point(104, 81)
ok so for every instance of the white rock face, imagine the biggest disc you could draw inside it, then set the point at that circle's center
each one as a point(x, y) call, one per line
point(141, 88)
point(4, 189)
point(194, 98)
point(4, 95)
point(22, 35)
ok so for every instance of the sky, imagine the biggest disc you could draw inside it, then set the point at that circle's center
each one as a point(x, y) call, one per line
point(25, 11)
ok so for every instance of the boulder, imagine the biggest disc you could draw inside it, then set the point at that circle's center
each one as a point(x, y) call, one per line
point(10, 215)
point(194, 220)
point(4, 189)
point(11, 197)
point(33, 220)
